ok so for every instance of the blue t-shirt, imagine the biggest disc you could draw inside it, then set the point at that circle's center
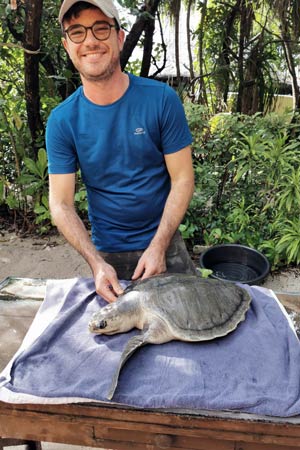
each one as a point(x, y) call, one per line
point(120, 150)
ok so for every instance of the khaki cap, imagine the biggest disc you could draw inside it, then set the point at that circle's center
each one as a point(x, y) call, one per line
point(106, 6)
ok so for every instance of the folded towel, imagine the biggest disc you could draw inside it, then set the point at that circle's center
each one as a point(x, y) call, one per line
point(255, 369)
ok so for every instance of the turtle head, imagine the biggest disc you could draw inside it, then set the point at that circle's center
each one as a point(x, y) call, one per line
point(106, 321)
point(116, 317)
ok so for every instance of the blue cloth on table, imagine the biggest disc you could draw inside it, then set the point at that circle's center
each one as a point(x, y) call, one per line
point(255, 369)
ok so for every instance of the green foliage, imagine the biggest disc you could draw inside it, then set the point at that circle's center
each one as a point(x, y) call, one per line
point(134, 66)
point(81, 198)
point(34, 179)
point(34, 175)
point(240, 48)
point(29, 190)
point(205, 273)
point(247, 184)
point(289, 242)
point(43, 216)
point(188, 229)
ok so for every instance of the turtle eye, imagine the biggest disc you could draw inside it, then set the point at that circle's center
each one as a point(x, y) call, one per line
point(102, 324)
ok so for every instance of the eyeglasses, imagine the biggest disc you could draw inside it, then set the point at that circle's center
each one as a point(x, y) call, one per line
point(101, 31)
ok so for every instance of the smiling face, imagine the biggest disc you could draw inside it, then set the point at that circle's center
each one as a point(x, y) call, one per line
point(95, 60)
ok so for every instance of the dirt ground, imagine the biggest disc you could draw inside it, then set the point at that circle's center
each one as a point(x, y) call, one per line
point(53, 257)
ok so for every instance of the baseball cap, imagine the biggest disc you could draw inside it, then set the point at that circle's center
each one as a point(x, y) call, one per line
point(106, 6)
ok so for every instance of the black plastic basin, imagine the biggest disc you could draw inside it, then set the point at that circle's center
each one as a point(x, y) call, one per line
point(233, 262)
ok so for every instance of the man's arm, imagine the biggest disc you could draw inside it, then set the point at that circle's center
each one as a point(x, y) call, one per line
point(180, 168)
point(61, 200)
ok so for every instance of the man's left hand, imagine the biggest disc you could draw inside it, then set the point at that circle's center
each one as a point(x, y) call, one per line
point(152, 262)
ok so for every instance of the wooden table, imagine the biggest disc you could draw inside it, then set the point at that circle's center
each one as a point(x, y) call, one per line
point(123, 428)
point(98, 425)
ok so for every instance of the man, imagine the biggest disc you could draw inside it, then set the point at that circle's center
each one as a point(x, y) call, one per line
point(130, 139)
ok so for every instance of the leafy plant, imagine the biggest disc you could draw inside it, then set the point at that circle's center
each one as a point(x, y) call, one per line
point(81, 199)
point(33, 183)
point(188, 229)
point(34, 176)
point(42, 212)
point(289, 191)
point(205, 273)
point(289, 242)
point(247, 184)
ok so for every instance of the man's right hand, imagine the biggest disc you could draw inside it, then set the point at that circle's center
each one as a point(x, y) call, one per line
point(106, 282)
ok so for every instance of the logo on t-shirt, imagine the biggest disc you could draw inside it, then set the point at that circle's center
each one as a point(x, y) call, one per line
point(139, 131)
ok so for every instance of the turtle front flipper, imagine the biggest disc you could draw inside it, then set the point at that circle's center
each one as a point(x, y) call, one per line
point(132, 345)
point(155, 332)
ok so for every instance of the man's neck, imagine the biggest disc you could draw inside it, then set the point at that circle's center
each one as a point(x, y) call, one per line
point(105, 92)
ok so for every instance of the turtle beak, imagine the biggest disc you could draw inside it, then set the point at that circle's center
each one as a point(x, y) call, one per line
point(92, 327)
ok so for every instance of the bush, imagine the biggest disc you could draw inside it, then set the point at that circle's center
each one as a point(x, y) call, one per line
point(247, 172)
point(247, 184)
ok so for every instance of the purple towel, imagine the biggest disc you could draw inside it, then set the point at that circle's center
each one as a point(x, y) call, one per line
point(255, 369)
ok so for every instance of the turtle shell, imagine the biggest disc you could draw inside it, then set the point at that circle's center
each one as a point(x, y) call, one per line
point(195, 308)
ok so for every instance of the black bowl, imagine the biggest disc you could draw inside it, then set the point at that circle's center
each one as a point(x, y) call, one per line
point(233, 262)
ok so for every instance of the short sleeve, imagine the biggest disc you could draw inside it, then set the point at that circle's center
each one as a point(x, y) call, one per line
point(62, 156)
point(175, 133)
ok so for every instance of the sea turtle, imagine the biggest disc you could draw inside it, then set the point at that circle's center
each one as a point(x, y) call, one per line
point(172, 307)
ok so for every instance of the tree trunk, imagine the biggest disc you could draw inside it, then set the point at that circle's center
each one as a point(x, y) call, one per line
point(148, 45)
point(291, 67)
point(246, 21)
point(149, 7)
point(250, 102)
point(226, 50)
point(202, 95)
point(188, 37)
point(31, 42)
point(164, 51)
point(288, 15)
point(176, 12)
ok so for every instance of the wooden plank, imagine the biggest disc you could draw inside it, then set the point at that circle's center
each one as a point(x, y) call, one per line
point(101, 426)
point(289, 300)
point(170, 439)
point(135, 417)
point(159, 444)
point(256, 446)
point(41, 428)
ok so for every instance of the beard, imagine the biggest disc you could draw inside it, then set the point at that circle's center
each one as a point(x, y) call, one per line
point(103, 73)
